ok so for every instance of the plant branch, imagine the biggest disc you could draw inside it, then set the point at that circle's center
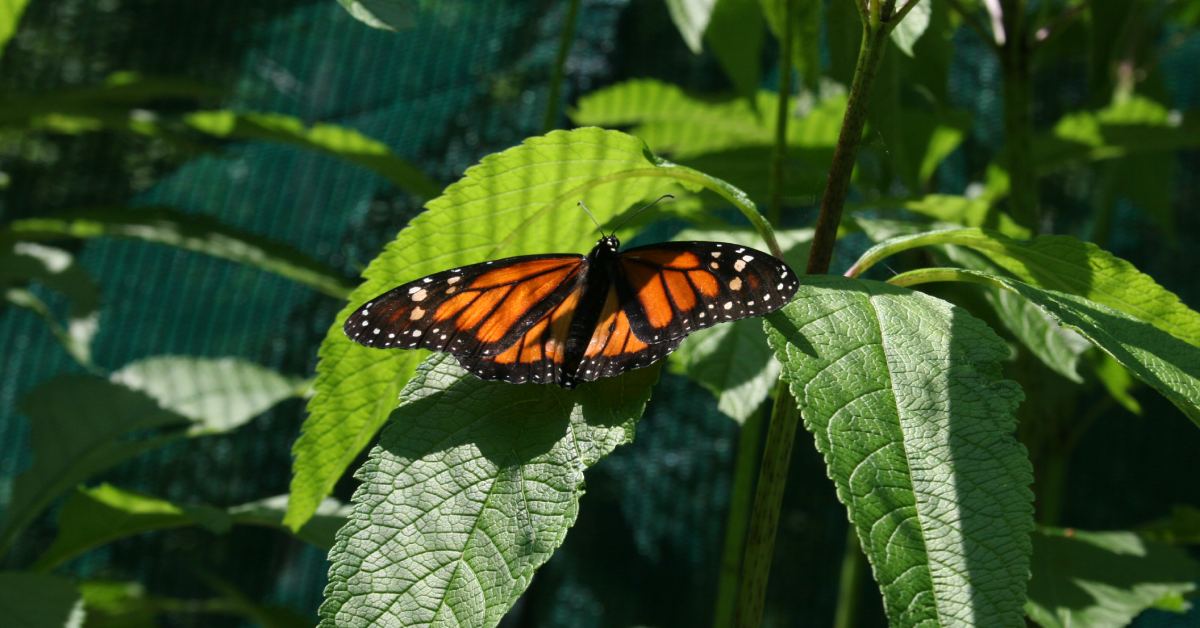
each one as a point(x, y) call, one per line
point(566, 38)
point(846, 153)
point(853, 560)
point(737, 521)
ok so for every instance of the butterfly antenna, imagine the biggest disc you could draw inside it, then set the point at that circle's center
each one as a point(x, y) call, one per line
point(592, 216)
point(638, 211)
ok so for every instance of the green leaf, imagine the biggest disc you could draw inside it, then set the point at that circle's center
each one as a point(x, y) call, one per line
point(735, 35)
point(392, 15)
point(472, 486)
point(522, 200)
point(39, 601)
point(10, 16)
point(903, 395)
point(1100, 579)
point(193, 232)
point(691, 18)
point(1182, 527)
point(338, 141)
point(114, 604)
point(1162, 361)
point(92, 517)
point(1117, 381)
point(217, 394)
point(80, 426)
point(22, 262)
point(806, 33)
point(733, 361)
point(1064, 264)
point(909, 30)
point(674, 122)
point(1135, 126)
point(1058, 348)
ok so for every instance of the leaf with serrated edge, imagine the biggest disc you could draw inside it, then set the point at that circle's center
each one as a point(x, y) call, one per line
point(472, 486)
point(903, 394)
point(1068, 265)
point(521, 200)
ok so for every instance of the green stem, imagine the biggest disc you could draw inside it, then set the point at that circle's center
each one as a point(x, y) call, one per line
point(768, 500)
point(853, 561)
point(779, 154)
point(1018, 122)
point(746, 463)
point(834, 199)
point(566, 38)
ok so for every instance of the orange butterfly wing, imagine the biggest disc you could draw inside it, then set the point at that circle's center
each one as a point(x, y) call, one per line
point(473, 311)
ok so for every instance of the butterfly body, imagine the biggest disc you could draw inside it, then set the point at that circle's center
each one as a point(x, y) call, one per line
point(566, 319)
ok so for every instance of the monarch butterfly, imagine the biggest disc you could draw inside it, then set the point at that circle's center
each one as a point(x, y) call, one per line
point(567, 318)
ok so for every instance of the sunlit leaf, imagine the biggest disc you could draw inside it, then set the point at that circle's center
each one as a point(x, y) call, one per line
point(217, 394)
point(1160, 360)
point(903, 395)
point(10, 16)
point(1068, 265)
point(691, 19)
point(522, 200)
point(92, 517)
point(393, 15)
point(24, 262)
point(1103, 579)
point(909, 30)
point(193, 232)
point(735, 36)
point(471, 488)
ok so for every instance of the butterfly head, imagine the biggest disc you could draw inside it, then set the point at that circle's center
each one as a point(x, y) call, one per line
point(610, 242)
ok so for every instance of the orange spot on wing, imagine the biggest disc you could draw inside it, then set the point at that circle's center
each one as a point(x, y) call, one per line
point(705, 282)
point(682, 260)
point(560, 323)
point(681, 292)
point(650, 293)
point(523, 297)
point(454, 305)
point(604, 327)
point(624, 341)
point(518, 271)
point(479, 310)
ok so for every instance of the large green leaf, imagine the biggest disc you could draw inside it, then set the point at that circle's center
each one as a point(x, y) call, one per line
point(1162, 361)
point(1058, 348)
point(80, 426)
point(1064, 264)
point(471, 488)
point(672, 121)
point(194, 232)
point(1104, 579)
point(31, 600)
point(1130, 127)
point(92, 517)
point(733, 360)
point(521, 200)
point(23, 262)
point(10, 15)
point(217, 394)
point(903, 395)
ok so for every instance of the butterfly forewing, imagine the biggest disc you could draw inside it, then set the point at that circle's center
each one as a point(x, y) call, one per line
point(674, 288)
point(476, 310)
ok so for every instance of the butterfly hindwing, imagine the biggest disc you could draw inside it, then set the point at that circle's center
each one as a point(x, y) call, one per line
point(537, 356)
point(613, 347)
point(470, 311)
point(674, 288)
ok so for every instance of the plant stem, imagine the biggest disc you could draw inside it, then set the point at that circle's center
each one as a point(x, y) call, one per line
point(566, 38)
point(779, 154)
point(768, 500)
point(740, 500)
point(853, 561)
point(1018, 121)
point(838, 186)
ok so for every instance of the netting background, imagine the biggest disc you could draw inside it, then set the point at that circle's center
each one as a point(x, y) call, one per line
point(467, 78)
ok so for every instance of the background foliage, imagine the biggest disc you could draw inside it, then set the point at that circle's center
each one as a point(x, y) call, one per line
point(225, 170)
